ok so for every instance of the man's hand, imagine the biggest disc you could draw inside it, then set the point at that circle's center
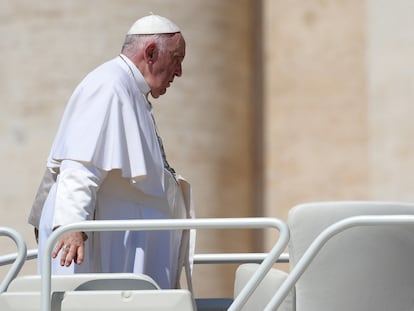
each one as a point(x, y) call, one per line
point(73, 248)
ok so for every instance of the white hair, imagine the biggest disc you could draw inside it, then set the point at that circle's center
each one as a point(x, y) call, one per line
point(133, 43)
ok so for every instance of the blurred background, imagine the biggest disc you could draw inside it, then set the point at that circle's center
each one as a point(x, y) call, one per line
point(281, 102)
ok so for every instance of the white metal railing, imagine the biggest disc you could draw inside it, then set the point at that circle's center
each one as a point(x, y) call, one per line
point(174, 224)
point(10, 258)
point(205, 258)
point(20, 257)
point(320, 241)
point(226, 223)
point(238, 258)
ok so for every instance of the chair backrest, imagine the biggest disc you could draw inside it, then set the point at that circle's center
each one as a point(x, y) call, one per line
point(266, 289)
point(362, 268)
point(95, 291)
point(86, 281)
point(102, 300)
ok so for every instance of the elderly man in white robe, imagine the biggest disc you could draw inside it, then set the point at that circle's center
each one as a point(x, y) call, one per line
point(107, 162)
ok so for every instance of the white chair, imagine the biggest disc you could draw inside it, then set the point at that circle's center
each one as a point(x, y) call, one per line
point(362, 268)
point(356, 262)
point(100, 291)
point(137, 300)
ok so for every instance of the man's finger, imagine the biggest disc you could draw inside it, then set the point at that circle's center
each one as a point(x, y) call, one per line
point(80, 254)
point(57, 248)
point(70, 254)
point(64, 254)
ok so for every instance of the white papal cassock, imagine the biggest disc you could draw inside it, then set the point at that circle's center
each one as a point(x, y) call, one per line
point(106, 163)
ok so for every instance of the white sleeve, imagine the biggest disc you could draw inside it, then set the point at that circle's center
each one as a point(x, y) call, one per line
point(77, 185)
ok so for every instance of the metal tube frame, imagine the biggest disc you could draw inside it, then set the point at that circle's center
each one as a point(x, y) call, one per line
point(20, 258)
point(199, 259)
point(173, 224)
point(236, 258)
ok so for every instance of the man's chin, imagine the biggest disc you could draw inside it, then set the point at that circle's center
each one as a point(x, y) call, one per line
point(158, 94)
point(154, 95)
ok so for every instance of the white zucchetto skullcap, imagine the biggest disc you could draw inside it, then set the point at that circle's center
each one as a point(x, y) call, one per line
point(153, 24)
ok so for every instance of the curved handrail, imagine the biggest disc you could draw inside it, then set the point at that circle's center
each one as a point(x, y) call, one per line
point(320, 241)
point(171, 224)
point(20, 259)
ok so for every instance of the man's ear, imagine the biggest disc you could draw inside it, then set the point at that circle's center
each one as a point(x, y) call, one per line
point(151, 53)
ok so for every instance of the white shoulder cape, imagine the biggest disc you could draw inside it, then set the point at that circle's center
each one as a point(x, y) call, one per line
point(108, 123)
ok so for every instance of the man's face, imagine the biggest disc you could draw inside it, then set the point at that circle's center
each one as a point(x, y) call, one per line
point(167, 65)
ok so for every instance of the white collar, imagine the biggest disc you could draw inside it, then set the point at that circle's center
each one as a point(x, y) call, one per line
point(137, 75)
